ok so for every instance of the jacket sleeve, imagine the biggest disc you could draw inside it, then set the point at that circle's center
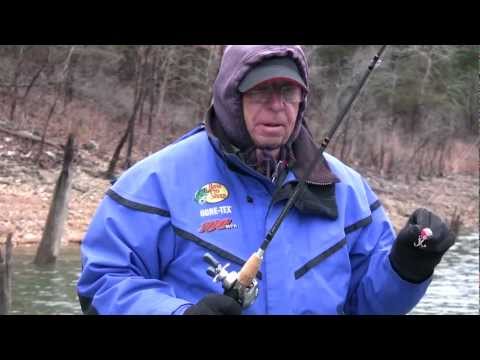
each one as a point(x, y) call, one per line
point(125, 253)
point(375, 287)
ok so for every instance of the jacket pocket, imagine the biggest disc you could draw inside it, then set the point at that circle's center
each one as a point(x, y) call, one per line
point(212, 248)
point(319, 258)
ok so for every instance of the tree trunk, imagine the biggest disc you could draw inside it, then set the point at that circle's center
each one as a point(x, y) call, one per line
point(143, 68)
point(27, 91)
point(166, 70)
point(61, 85)
point(381, 159)
point(131, 135)
point(131, 126)
point(140, 115)
point(45, 127)
point(116, 154)
point(14, 105)
point(6, 277)
point(153, 94)
point(16, 75)
point(49, 247)
point(33, 81)
point(441, 160)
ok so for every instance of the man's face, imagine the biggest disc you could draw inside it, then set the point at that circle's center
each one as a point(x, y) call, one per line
point(270, 110)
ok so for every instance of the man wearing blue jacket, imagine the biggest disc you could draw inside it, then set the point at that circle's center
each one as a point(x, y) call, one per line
point(220, 188)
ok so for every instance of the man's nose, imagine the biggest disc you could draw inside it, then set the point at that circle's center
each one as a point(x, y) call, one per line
point(276, 101)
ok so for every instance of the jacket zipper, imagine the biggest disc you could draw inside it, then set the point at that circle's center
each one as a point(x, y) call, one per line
point(317, 183)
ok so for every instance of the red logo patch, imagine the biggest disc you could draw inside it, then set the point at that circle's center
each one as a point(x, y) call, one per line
point(220, 224)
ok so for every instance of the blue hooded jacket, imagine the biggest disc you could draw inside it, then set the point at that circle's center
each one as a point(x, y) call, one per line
point(143, 252)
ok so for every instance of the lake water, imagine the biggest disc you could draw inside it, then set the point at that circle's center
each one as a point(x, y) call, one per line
point(455, 285)
point(454, 289)
point(49, 290)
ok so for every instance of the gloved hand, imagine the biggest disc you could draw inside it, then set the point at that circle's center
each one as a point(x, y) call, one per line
point(416, 264)
point(215, 304)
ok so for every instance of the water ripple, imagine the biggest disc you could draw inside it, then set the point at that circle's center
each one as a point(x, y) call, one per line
point(454, 288)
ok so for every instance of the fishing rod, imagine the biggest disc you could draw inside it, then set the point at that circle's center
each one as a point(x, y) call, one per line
point(243, 286)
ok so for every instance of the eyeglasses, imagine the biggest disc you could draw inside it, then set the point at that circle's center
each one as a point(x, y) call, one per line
point(262, 94)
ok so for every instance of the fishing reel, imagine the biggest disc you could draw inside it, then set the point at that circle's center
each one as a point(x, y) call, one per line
point(244, 295)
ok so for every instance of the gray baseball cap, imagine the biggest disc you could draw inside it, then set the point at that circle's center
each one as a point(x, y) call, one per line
point(270, 69)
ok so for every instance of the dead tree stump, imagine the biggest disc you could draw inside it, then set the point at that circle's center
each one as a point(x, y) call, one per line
point(49, 247)
point(6, 277)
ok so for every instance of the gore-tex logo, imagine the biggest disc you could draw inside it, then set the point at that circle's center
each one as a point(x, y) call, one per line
point(221, 224)
point(217, 210)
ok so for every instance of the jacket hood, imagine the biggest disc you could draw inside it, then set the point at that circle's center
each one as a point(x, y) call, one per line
point(236, 62)
point(225, 120)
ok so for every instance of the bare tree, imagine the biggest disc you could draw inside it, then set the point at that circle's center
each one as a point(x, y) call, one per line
point(137, 97)
point(164, 72)
point(142, 78)
point(59, 91)
point(414, 90)
point(162, 76)
point(116, 154)
point(16, 75)
point(152, 90)
point(31, 84)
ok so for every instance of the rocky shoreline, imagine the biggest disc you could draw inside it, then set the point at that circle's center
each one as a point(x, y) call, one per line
point(25, 193)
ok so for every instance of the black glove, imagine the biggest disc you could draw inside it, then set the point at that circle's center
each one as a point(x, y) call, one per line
point(215, 304)
point(416, 263)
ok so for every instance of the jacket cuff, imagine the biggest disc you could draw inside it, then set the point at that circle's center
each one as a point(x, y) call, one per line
point(409, 272)
point(404, 281)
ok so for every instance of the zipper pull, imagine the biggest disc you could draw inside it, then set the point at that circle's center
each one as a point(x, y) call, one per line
point(275, 173)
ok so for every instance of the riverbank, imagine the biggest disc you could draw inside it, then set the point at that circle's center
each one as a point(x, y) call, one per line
point(445, 196)
point(25, 194)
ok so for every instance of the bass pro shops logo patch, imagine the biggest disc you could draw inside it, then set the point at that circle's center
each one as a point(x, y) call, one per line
point(211, 193)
